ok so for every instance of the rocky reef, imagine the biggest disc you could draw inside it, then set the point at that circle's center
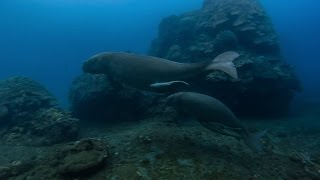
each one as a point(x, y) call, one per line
point(266, 84)
point(30, 115)
point(95, 98)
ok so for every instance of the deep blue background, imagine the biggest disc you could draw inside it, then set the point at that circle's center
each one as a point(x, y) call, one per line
point(48, 40)
point(297, 23)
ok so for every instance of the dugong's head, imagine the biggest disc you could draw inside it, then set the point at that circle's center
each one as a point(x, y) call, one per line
point(180, 102)
point(95, 64)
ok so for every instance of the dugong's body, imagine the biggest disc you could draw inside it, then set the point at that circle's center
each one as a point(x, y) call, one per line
point(147, 72)
point(214, 115)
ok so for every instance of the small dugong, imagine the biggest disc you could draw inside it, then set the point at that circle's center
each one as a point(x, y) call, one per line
point(215, 116)
point(147, 72)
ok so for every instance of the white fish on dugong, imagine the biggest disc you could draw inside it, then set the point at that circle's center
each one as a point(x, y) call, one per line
point(152, 73)
point(215, 116)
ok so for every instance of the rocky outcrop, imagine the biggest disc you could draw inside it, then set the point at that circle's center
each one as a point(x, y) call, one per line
point(266, 82)
point(94, 97)
point(21, 97)
point(69, 161)
point(246, 18)
point(29, 115)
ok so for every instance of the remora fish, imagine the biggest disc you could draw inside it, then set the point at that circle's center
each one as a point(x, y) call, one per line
point(152, 73)
point(215, 116)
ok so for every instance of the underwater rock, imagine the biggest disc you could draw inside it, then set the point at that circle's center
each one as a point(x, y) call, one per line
point(266, 84)
point(30, 115)
point(225, 41)
point(81, 158)
point(53, 125)
point(246, 18)
point(94, 97)
point(78, 159)
point(22, 97)
point(15, 168)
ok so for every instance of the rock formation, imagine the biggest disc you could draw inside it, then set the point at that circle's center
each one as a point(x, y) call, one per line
point(30, 115)
point(266, 83)
point(94, 97)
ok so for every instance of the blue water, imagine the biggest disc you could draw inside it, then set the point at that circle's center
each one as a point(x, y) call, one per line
point(48, 40)
point(298, 26)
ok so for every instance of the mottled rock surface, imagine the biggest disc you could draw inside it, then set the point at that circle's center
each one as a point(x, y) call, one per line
point(94, 97)
point(266, 83)
point(20, 97)
point(74, 160)
point(29, 115)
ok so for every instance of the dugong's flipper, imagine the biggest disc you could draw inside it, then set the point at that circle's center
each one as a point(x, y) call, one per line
point(224, 62)
point(253, 140)
point(169, 87)
point(220, 129)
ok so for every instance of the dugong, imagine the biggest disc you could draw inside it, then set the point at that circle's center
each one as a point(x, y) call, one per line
point(217, 117)
point(152, 73)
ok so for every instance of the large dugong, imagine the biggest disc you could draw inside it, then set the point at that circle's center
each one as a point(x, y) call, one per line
point(215, 116)
point(152, 73)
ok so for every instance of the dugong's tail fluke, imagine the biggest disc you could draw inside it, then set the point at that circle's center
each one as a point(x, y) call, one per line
point(224, 62)
point(253, 140)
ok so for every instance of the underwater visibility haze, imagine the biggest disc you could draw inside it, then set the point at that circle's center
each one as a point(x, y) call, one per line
point(298, 30)
point(188, 89)
point(48, 40)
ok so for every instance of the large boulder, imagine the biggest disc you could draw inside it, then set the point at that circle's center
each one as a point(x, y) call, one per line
point(95, 98)
point(266, 82)
point(30, 115)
